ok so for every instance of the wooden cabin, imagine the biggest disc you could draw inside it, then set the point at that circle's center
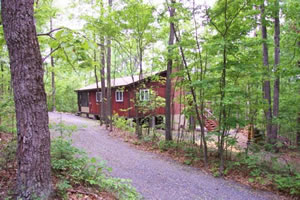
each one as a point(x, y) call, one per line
point(123, 93)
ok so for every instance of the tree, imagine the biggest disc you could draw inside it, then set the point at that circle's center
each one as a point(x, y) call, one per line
point(108, 60)
point(168, 133)
point(103, 117)
point(33, 152)
point(275, 126)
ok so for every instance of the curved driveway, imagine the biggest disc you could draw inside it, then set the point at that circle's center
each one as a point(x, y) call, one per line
point(155, 177)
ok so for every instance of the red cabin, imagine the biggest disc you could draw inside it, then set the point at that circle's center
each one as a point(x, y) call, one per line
point(123, 94)
point(126, 91)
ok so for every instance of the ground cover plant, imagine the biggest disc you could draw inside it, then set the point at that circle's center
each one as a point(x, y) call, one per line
point(253, 166)
point(74, 174)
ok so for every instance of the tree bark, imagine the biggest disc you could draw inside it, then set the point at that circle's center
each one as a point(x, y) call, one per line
point(266, 83)
point(1, 91)
point(33, 152)
point(298, 131)
point(109, 99)
point(275, 126)
point(298, 120)
point(97, 82)
point(103, 89)
point(168, 132)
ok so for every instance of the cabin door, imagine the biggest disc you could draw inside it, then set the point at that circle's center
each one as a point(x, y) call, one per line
point(93, 104)
point(84, 102)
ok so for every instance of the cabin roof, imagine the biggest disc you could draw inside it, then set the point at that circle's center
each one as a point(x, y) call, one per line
point(118, 82)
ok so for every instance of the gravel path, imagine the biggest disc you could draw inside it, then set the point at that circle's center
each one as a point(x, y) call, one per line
point(155, 177)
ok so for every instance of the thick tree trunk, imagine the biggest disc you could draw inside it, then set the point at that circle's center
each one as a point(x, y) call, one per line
point(33, 152)
point(168, 132)
point(266, 84)
point(277, 80)
point(103, 89)
point(109, 99)
point(52, 75)
point(298, 121)
point(1, 90)
point(298, 131)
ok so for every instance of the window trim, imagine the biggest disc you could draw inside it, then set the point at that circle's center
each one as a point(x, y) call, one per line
point(144, 91)
point(116, 95)
point(98, 100)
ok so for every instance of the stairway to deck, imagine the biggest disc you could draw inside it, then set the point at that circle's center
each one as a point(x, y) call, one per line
point(210, 125)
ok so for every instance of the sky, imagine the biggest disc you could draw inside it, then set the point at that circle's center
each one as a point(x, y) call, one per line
point(64, 3)
point(74, 23)
point(64, 20)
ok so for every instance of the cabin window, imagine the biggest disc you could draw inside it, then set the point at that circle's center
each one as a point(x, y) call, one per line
point(98, 96)
point(144, 94)
point(119, 96)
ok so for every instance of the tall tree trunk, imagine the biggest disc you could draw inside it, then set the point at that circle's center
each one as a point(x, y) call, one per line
point(168, 132)
point(298, 121)
point(103, 89)
point(202, 74)
point(139, 128)
point(1, 90)
point(109, 99)
point(97, 82)
point(266, 83)
point(223, 116)
point(140, 61)
point(193, 94)
point(52, 74)
point(298, 131)
point(33, 152)
point(275, 126)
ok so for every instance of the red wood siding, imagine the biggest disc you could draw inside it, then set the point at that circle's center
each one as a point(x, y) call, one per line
point(93, 105)
point(157, 87)
point(122, 108)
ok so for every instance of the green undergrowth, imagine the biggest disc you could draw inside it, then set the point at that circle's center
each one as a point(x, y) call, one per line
point(122, 124)
point(267, 169)
point(72, 167)
point(259, 166)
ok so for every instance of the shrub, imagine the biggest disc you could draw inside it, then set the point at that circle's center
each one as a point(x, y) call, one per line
point(290, 184)
point(166, 145)
point(122, 123)
point(62, 187)
point(75, 167)
point(8, 154)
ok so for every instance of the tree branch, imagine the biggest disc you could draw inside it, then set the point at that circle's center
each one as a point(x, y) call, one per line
point(45, 58)
point(49, 33)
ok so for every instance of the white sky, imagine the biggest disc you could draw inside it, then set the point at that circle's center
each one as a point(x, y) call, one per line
point(74, 23)
point(63, 5)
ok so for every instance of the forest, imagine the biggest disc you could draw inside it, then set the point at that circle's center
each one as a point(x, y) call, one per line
point(231, 66)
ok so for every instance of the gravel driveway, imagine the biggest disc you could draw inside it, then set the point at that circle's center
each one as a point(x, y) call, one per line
point(155, 177)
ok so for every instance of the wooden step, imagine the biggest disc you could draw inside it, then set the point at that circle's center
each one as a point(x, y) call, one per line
point(210, 124)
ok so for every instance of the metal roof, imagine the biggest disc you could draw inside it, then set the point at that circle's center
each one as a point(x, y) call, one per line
point(118, 82)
